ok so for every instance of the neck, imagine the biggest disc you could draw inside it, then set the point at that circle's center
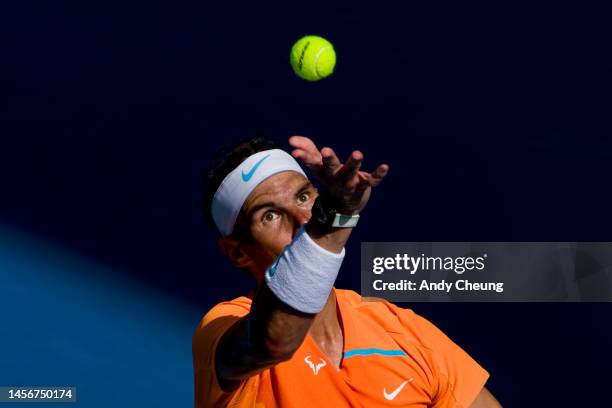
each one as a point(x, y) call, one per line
point(326, 324)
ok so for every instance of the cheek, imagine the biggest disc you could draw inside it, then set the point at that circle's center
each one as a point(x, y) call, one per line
point(272, 242)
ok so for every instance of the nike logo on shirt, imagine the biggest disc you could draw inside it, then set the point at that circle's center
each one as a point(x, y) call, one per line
point(247, 176)
point(391, 396)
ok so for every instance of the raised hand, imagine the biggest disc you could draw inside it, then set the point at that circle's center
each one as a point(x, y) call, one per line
point(346, 182)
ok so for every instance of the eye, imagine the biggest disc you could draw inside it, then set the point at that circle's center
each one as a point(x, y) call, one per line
point(304, 197)
point(269, 216)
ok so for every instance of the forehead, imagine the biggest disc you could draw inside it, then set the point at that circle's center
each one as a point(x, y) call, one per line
point(276, 188)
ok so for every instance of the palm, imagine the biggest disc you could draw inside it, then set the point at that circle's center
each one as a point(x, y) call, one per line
point(345, 181)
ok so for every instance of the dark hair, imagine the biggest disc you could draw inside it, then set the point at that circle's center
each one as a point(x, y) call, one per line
point(227, 159)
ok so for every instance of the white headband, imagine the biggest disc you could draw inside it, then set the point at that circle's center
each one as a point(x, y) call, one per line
point(240, 182)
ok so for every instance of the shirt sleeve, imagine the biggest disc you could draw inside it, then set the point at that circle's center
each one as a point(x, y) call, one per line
point(208, 392)
point(458, 377)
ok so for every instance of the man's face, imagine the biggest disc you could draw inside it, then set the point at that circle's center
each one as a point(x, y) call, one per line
point(274, 212)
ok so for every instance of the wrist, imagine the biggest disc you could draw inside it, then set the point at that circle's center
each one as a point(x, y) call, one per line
point(328, 214)
point(317, 230)
point(330, 238)
point(337, 205)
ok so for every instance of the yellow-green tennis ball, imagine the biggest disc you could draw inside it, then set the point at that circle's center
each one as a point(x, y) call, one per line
point(313, 58)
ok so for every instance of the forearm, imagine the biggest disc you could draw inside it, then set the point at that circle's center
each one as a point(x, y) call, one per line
point(332, 240)
point(282, 327)
point(281, 315)
point(268, 335)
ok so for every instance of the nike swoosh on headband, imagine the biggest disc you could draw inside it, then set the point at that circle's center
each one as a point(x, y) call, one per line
point(247, 176)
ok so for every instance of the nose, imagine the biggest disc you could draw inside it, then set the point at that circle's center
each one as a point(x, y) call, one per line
point(300, 217)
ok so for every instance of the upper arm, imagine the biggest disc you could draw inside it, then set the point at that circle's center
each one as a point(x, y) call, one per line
point(268, 335)
point(239, 356)
point(207, 336)
point(232, 344)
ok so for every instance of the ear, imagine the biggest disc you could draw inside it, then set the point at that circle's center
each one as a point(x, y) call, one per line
point(231, 248)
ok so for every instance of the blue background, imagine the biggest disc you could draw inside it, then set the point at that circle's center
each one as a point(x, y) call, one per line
point(494, 119)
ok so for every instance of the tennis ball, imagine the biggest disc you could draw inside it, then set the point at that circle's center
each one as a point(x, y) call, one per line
point(313, 58)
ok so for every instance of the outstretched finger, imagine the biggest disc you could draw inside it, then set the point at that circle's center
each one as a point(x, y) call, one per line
point(311, 160)
point(378, 175)
point(352, 165)
point(306, 151)
point(306, 145)
point(331, 163)
point(300, 155)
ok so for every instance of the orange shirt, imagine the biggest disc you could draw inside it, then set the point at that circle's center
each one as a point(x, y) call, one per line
point(391, 357)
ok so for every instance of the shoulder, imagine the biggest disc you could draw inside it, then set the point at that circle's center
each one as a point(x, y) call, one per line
point(377, 310)
point(219, 318)
point(391, 317)
point(206, 337)
point(213, 325)
point(238, 307)
point(353, 298)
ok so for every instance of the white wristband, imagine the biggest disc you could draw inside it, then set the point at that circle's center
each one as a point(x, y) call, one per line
point(345, 221)
point(303, 274)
